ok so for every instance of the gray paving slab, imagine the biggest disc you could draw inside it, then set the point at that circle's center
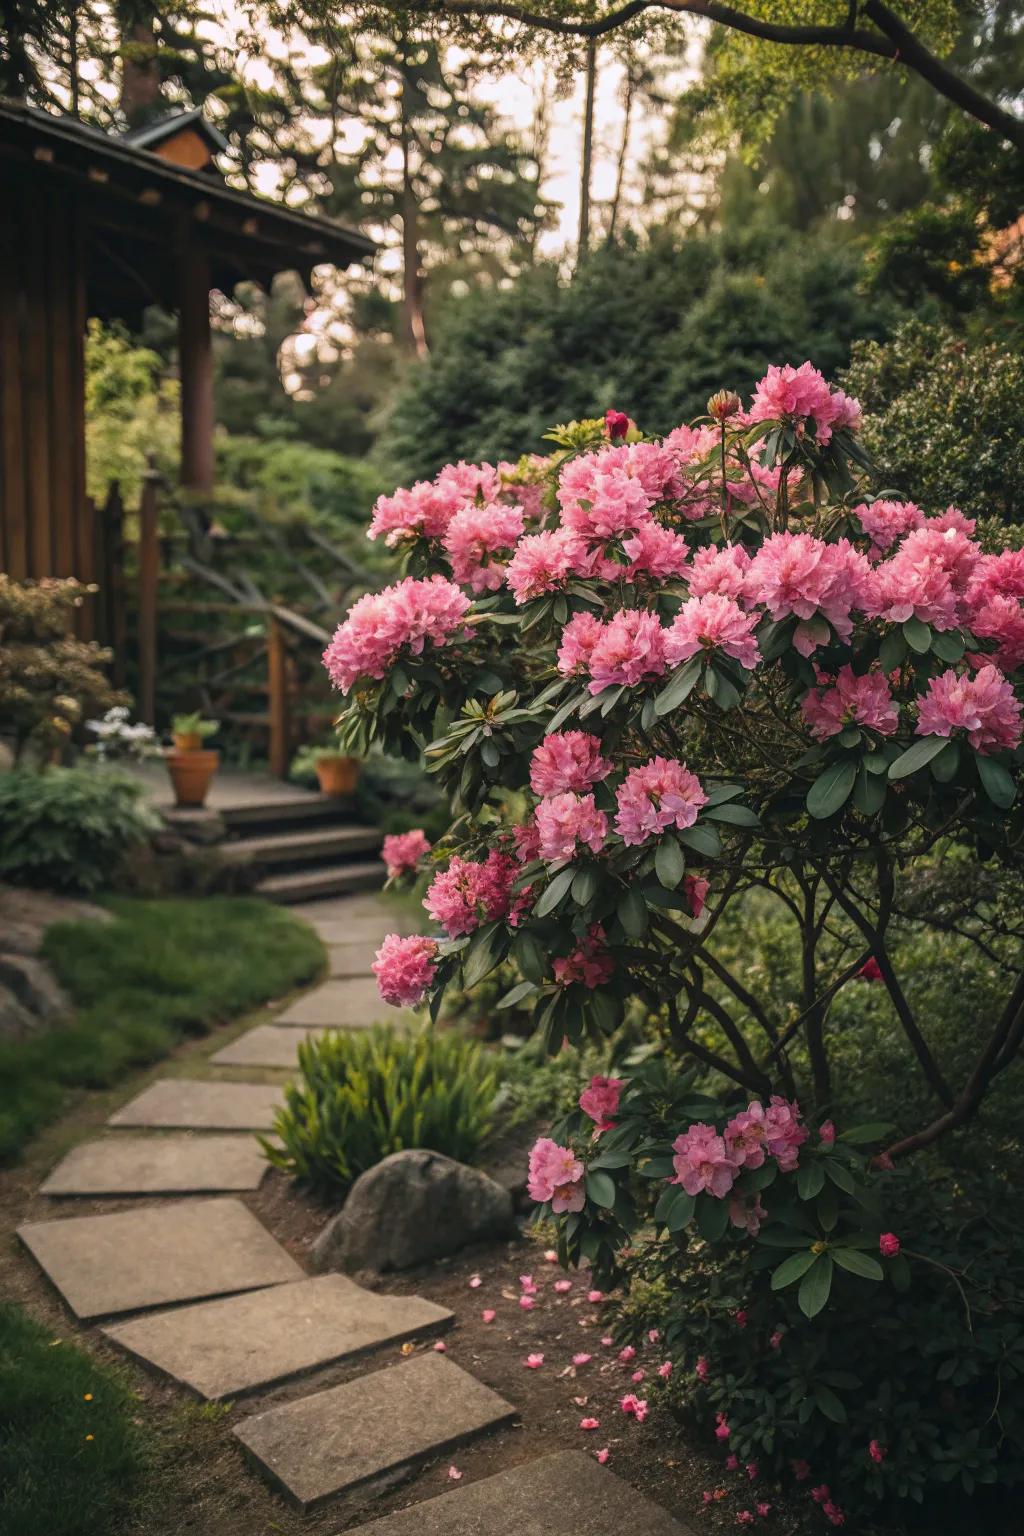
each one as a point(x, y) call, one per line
point(181, 1103)
point(566, 1494)
point(352, 1004)
point(153, 1257)
point(320, 1446)
point(159, 1165)
point(351, 959)
point(226, 1348)
point(265, 1046)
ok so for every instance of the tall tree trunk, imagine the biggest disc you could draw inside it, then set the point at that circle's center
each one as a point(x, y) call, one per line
point(413, 328)
point(583, 243)
point(140, 72)
point(620, 169)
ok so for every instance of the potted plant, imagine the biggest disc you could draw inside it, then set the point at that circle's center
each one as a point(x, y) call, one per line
point(336, 772)
point(190, 765)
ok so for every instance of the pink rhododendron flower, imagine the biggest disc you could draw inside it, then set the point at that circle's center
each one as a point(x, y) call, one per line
point(999, 575)
point(984, 706)
point(748, 1215)
point(582, 1359)
point(888, 1245)
point(568, 760)
point(467, 894)
point(713, 623)
point(566, 821)
point(630, 648)
point(659, 794)
point(655, 551)
point(802, 393)
point(616, 423)
point(665, 1370)
point(528, 1284)
point(600, 1100)
point(469, 482)
point(403, 850)
point(722, 1430)
point(600, 499)
point(634, 1407)
point(877, 1452)
point(579, 638)
point(1001, 619)
point(744, 1136)
point(784, 1134)
point(720, 569)
point(653, 1335)
point(702, 1163)
point(850, 700)
point(488, 1314)
point(638, 1376)
point(563, 1285)
point(527, 1303)
point(775, 1340)
point(751, 1470)
point(821, 1493)
point(533, 1362)
point(405, 969)
point(440, 1348)
point(702, 1369)
point(695, 889)
point(454, 1475)
point(589, 964)
point(689, 445)
point(475, 1282)
point(744, 1517)
point(556, 1174)
point(594, 1297)
point(542, 562)
point(401, 618)
point(425, 510)
point(763, 1508)
point(827, 1132)
point(474, 536)
point(795, 573)
point(589, 1424)
point(904, 588)
point(833, 1514)
point(885, 522)
point(871, 970)
point(627, 1353)
point(603, 1455)
point(527, 842)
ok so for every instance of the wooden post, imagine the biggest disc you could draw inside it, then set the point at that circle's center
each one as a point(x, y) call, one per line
point(149, 571)
point(195, 364)
point(111, 579)
point(277, 698)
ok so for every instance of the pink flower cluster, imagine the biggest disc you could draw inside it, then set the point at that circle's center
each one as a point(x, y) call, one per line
point(885, 522)
point(799, 394)
point(566, 821)
point(600, 1100)
point(985, 706)
point(848, 699)
point(543, 562)
point(474, 536)
point(659, 794)
point(467, 893)
point(569, 760)
point(713, 623)
point(556, 1174)
point(405, 969)
point(795, 573)
point(589, 963)
point(401, 618)
point(403, 850)
point(629, 648)
point(708, 1162)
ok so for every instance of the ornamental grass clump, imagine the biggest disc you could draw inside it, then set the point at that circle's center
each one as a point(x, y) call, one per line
point(713, 665)
point(361, 1096)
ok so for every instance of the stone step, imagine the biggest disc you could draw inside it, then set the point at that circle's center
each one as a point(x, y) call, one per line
point(314, 845)
point(156, 1256)
point(159, 1165)
point(354, 1003)
point(265, 1046)
point(228, 1348)
point(321, 881)
point(566, 1494)
point(181, 1103)
point(377, 1426)
point(284, 809)
point(350, 960)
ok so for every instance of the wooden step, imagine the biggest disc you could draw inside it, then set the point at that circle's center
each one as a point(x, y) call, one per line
point(322, 880)
point(314, 845)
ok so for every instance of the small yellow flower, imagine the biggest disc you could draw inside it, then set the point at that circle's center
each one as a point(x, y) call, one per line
point(88, 1437)
point(87, 1397)
point(407, 1348)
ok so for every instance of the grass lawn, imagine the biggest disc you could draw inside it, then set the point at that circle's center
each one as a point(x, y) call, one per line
point(70, 1454)
point(159, 971)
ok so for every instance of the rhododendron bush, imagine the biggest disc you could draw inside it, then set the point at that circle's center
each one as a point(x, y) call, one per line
point(653, 675)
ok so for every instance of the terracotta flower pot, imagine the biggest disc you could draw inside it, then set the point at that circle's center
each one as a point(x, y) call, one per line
point(191, 773)
point(337, 775)
point(188, 741)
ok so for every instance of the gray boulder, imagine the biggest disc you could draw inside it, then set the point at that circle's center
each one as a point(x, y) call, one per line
point(410, 1208)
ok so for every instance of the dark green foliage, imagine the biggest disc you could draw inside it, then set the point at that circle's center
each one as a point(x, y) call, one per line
point(69, 828)
point(656, 326)
point(945, 417)
point(362, 1096)
point(52, 1478)
point(291, 481)
point(161, 970)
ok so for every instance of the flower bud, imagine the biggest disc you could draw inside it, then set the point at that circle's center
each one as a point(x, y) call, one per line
point(616, 424)
point(724, 404)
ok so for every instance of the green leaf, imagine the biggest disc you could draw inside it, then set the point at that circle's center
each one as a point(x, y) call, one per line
point(810, 1180)
point(555, 890)
point(712, 1218)
point(529, 957)
point(944, 767)
point(702, 839)
point(516, 995)
point(815, 1286)
point(726, 695)
point(632, 913)
point(601, 1189)
point(996, 781)
point(669, 862)
point(675, 1208)
point(917, 756)
point(482, 955)
point(892, 651)
point(869, 792)
point(841, 1176)
point(830, 1405)
point(858, 1263)
point(832, 788)
point(723, 792)
point(949, 646)
point(734, 815)
point(792, 1268)
point(584, 885)
point(918, 636)
point(680, 686)
point(859, 1135)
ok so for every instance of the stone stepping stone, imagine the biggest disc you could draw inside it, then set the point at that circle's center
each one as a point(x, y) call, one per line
point(226, 1348)
point(567, 1494)
point(264, 1046)
point(320, 1446)
point(353, 1004)
point(181, 1103)
point(153, 1257)
point(351, 959)
point(159, 1165)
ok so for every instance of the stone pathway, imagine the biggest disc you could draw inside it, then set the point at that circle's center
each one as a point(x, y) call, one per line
point(222, 1310)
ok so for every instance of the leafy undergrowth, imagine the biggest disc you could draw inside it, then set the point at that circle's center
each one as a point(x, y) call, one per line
point(71, 1455)
point(160, 970)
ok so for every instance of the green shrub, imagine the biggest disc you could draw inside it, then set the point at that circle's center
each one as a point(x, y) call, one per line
point(69, 828)
point(362, 1096)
